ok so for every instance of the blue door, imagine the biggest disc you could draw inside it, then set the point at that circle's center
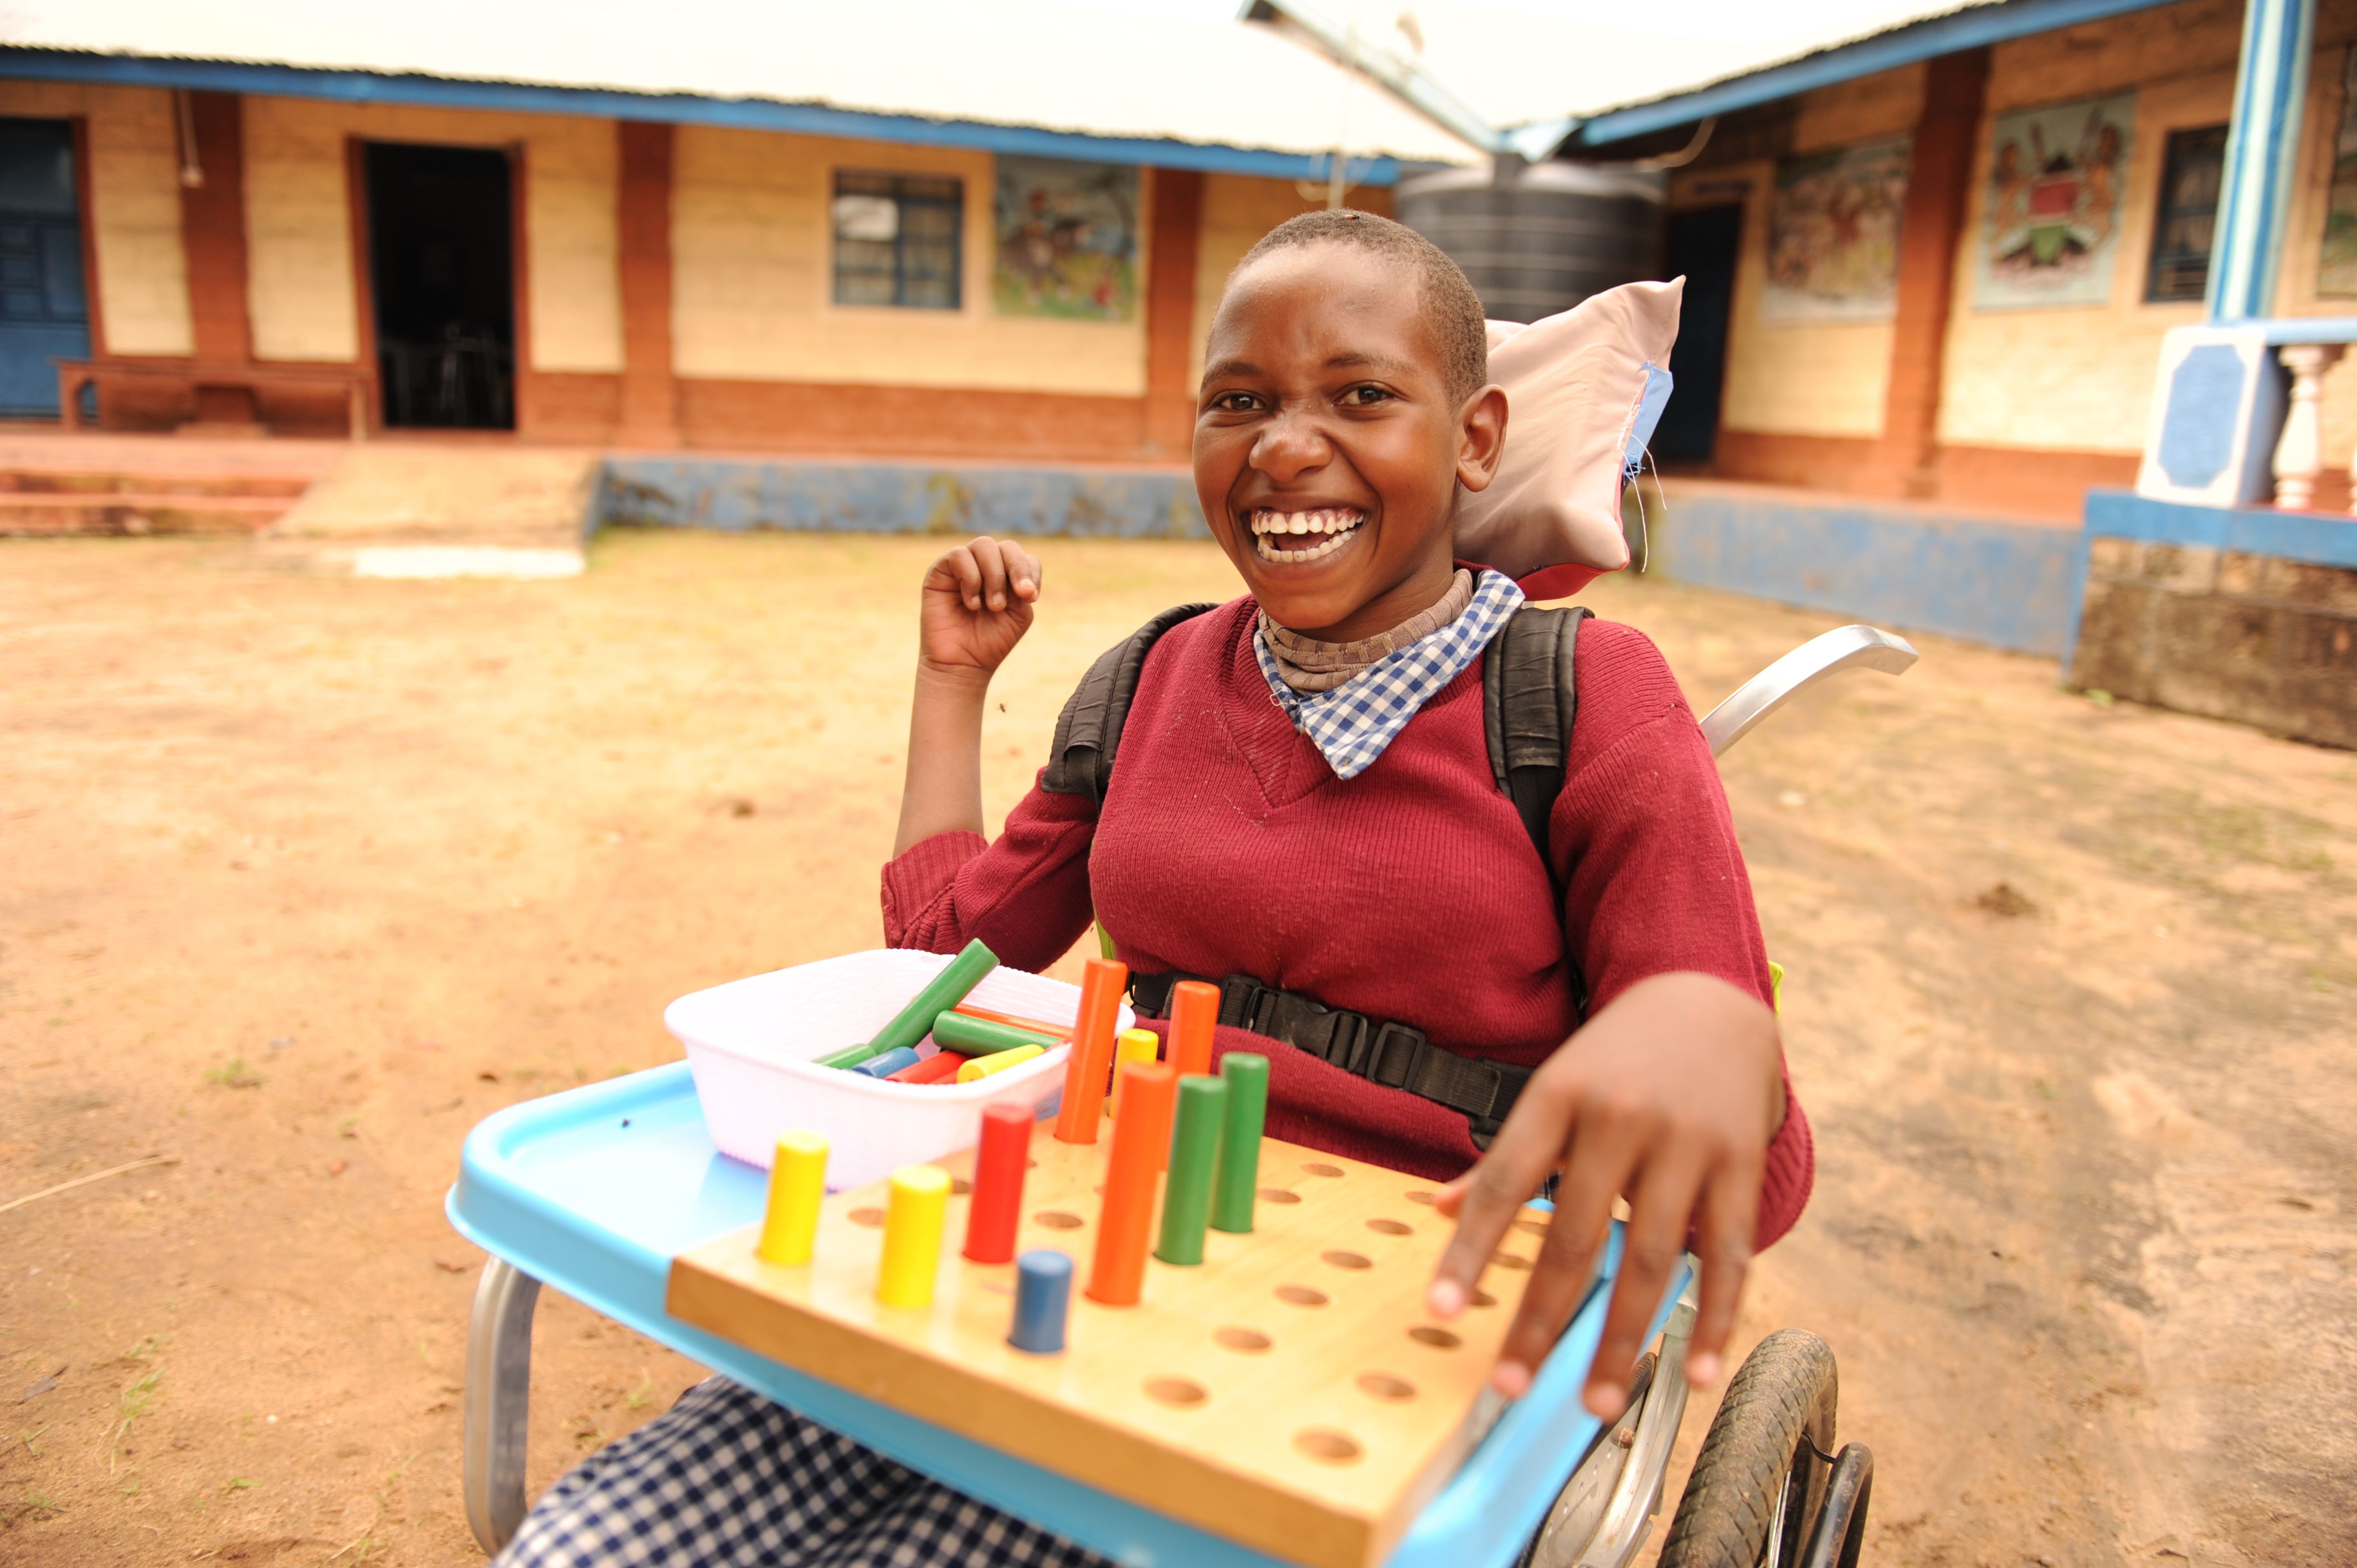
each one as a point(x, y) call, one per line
point(44, 312)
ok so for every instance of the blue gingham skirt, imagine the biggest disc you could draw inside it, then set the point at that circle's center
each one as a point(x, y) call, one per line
point(727, 1479)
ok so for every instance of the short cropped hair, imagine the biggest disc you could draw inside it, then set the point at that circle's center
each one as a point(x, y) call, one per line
point(1450, 306)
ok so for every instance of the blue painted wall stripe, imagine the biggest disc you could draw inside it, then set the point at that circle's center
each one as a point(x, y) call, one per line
point(674, 108)
point(2261, 152)
point(950, 500)
point(2004, 583)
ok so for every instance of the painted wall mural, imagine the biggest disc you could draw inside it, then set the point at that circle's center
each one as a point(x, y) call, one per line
point(1833, 235)
point(1067, 239)
point(2050, 231)
point(2336, 268)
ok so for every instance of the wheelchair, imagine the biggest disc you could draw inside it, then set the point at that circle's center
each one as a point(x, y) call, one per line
point(1769, 1489)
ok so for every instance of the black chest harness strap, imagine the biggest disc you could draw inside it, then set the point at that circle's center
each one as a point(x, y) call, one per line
point(1393, 1054)
point(1529, 700)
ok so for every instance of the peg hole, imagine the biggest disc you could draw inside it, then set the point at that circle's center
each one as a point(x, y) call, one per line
point(1301, 1296)
point(1250, 1341)
point(1418, 1194)
point(1389, 1228)
point(1057, 1219)
point(1343, 1260)
point(1530, 1226)
point(1317, 1169)
point(1510, 1260)
point(1482, 1298)
point(1383, 1386)
point(960, 1186)
point(1177, 1392)
point(1333, 1447)
point(1432, 1334)
point(1279, 1195)
point(870, 1217)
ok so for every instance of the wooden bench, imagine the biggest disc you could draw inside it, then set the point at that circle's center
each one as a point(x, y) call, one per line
point(74, 375)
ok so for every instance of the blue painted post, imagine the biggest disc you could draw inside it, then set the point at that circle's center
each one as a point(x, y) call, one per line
point(2262, 149)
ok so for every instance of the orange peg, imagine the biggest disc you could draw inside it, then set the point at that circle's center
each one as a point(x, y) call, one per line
point(1141, 1141)
point(1090, 1068)
point(1194, 1014)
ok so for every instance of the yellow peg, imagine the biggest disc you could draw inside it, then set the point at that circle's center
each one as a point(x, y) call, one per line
point(999, 1061)
point(1129, 1045)
point(912, 1236)
point(797, 1183)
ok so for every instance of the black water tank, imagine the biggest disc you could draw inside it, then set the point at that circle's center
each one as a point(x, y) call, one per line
point(1539, 238)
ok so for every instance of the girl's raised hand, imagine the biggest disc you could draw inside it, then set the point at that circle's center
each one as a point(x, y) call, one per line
point(1669, 1096)
point(976, 606)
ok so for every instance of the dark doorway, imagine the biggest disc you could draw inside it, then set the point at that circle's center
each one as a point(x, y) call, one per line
point(441, 264)
point(44, 311)
point(1702, 242)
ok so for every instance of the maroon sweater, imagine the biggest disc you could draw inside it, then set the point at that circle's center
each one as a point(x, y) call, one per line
point(1412, 892)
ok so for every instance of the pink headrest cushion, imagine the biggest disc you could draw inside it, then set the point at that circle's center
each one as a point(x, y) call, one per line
point(1578, 415)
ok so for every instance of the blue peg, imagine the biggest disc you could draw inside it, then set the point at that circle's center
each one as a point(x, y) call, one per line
point(1043, 1297)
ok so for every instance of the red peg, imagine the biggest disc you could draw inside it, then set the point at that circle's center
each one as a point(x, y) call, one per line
point(1088, 1072)
point(998, 1167)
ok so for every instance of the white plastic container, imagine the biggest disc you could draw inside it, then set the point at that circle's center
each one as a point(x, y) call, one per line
point(750, 1044)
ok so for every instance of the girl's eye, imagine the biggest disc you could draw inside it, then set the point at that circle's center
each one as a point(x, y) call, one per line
point(1361, 396)
point(1236, 403)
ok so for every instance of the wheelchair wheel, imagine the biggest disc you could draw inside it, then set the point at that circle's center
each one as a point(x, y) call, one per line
point(1757, 1484)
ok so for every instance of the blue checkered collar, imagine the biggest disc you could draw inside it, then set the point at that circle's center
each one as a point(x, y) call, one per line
point(1353, 724)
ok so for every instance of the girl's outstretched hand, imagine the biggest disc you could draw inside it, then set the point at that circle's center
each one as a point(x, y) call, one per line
point(976, 606)
point(1669, 1097)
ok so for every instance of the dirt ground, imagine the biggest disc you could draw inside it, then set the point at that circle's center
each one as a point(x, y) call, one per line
point(300, 877)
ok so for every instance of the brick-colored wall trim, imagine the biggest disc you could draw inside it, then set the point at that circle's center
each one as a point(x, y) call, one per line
point(817, 418)
point(212, 235)
point(650, 402)
point(1939, 195)
point(1170, 325)
point(2012, 481)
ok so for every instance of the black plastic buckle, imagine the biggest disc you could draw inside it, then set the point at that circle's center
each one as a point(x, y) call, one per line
point(1240, 1001)
point(1396, 1069)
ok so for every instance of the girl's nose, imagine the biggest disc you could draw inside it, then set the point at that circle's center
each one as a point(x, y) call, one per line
point(1291, 446)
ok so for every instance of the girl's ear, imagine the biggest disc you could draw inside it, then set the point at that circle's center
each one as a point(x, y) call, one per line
point(1480, 437)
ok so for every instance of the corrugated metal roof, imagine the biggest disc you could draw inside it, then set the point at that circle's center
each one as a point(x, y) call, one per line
point(1138, 72)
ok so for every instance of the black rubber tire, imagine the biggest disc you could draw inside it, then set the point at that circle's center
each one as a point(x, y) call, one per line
point(1754, 1460)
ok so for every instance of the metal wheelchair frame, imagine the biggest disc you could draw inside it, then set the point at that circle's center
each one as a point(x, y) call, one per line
point(1604, 1513)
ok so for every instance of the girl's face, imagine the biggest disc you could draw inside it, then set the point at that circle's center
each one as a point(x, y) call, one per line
point(1328, 451)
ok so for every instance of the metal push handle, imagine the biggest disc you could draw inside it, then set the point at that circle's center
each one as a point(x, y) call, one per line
point(1862, 647)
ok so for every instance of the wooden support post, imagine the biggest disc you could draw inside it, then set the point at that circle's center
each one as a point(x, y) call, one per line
point(650, 412)
point(1170, 325)
point(1939, 194)
point(212, 241)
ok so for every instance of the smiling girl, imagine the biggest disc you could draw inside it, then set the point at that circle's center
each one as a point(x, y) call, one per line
point(1304, 797)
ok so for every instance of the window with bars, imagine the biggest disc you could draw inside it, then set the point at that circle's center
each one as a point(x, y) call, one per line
point(2192, 169)
point(898, 239)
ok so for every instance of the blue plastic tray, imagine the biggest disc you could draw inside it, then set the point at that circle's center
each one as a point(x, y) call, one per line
point(592, 1191)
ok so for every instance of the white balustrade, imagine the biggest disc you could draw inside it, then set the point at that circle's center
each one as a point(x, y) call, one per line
point(2299, 449)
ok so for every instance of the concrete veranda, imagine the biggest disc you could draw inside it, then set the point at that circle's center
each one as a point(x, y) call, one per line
point(303, 875)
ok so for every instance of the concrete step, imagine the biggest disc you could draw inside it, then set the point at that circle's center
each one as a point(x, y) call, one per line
point(78, 482)
point(116, 512)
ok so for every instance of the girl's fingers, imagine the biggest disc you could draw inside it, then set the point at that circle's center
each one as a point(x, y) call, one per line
point(988, 555)
point(1558, 1283)
point(1451, 1198)
point(1659, 1217)
point(1487, 1198)
point(1023, 575)
point(1730, 1222)
point(1601, 1160)
point(965, 575)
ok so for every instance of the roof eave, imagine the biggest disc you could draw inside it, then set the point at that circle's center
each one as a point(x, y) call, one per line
point(1974, 27)
point(353, 85)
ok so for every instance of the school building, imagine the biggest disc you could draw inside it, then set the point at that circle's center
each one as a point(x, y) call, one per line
point(860, 273)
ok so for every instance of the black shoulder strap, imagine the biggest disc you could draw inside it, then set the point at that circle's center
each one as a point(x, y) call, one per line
point(1528, 703)
point(1088, 731)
